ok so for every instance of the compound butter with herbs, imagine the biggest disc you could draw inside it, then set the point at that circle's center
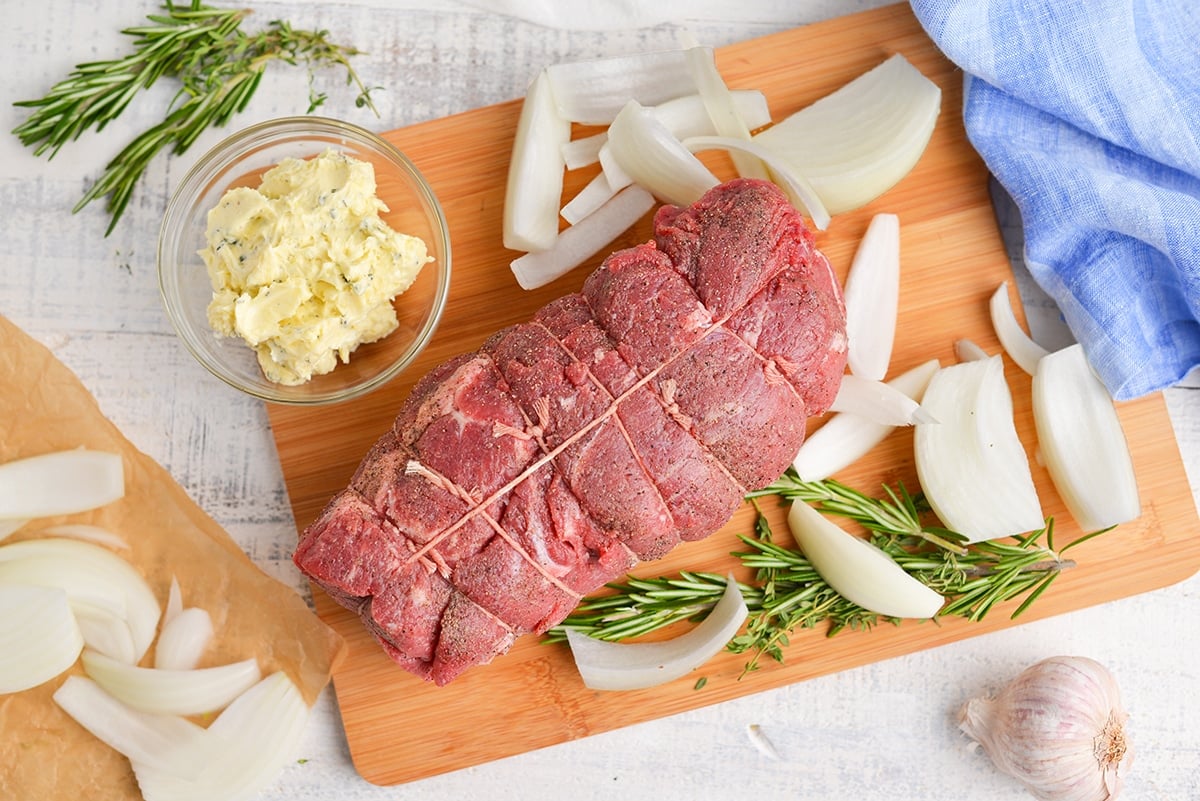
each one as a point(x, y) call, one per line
point(303, 268)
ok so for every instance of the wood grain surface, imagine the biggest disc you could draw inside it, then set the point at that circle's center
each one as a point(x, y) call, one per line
point(400, 728)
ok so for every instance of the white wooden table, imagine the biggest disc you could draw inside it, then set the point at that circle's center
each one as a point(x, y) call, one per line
point(885, 731)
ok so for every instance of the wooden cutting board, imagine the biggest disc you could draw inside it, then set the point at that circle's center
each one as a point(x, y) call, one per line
point(400, 729)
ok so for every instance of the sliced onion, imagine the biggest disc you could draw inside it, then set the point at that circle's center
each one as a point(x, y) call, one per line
point(861, 140)
point(873, 298)
point(968, 351)
point(687, 116)
point(89, 533)
point(139, 736)
point(243, 751)
point(91, 575)
point(719, 103)
point(39, 638)
point(593, 92)
point(684, 116)
point(171, 692)
point(857, 570)
point(535, 173)
point(880, 402)
point(972, 467)
point(1082, 442)
point(632, 666)
point(106, 633)
point(653, 157)
point(846, 438)
point(183, 640)
point(583, 151)
point(793, 183)
point(60, 483)
point(612, 170)
point(174, 601)
point(1019, 346)
point(594, 194)
point(583, 240)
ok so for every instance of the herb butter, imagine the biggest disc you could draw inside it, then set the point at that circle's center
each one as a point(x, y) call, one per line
point(303, 268)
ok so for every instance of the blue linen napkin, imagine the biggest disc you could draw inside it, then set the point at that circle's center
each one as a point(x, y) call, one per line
point(1088, 113)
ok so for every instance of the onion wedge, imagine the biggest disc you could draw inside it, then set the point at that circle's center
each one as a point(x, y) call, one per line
point(719, 103)
point(39, 638)
point(89, 533)
point(535, 173)
point(860, 572)
point(845, 438)
point(138, 736)
point(581, 241)
point(971, 465)
point(1082, 442)
point(183, 640)
point(793, 184)
point(633, 666)
point(592, 92)
point(171, 692)
point(861, 140)
point(1019, 346)
point(880, 402)
point(92, 576)
point(653, 157)
point(873, 298)
point(966, 350)
point(242, 752)
point(60, 483)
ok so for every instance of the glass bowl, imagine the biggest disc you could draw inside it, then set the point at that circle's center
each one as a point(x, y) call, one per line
point(240, 160)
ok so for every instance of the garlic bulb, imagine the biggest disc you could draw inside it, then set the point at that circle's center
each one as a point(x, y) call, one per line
point(1058, 728)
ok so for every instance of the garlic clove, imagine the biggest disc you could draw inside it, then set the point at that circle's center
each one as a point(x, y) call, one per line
point(1058, 728)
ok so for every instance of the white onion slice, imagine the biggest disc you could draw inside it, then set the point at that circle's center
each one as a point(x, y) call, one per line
point(106, 633)
point(243, 750)
point(593, 92)
point(684, 116)
point(653, 157)
point(873, 298)
point(171, 692)
point(139, 736)
point(631, 666)
point(972, 466)
point(861, 140)
point(878, 401)
point(718, 102)
point(793, 183)
point(1082, 442)
point(39, 638)
point(583, 151)
point(183, 640)
point(1019, 346)
point(846, 438)
point(583, 240)
point(90, 575)
point(687, 116)
point(612, 170)
point(60, 483)
point(174, 601)
point(89, 533)
point(535, 172)
point(595, 193)
point(857, 570)
point(967, 350)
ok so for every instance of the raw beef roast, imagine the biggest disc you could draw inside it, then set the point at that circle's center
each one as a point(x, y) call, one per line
point(618, 422)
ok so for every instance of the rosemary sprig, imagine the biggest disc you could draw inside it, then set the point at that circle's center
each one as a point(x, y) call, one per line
point(218, 66)
point(788, 594)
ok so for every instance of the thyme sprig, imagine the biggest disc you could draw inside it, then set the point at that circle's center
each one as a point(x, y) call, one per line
point(218, 67)
point(787, 593)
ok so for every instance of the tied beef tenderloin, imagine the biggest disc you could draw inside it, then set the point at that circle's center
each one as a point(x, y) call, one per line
point(618, 422)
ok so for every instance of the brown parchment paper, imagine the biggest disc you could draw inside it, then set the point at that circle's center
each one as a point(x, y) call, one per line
point(44, 755)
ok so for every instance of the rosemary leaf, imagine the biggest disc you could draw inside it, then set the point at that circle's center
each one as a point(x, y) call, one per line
point(788, 594)
point(218, 67)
